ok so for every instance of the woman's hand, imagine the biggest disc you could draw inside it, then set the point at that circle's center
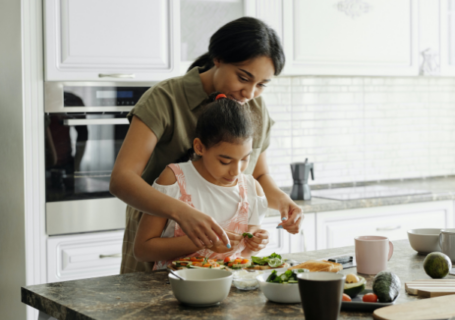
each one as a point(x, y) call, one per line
point(291, 215)
point(259, 241)
point(202, 229)
point(220, 247)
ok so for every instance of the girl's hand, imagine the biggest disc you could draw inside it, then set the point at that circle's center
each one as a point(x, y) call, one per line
point(220, 247)
point(291, 215)
point(259, 241)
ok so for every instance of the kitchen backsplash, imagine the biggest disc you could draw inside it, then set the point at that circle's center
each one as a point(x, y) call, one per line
point(362, 128)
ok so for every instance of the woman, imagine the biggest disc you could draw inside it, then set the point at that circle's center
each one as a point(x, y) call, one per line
point(243, 57)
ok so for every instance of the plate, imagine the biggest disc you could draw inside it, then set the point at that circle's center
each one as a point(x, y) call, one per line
point(358, 305)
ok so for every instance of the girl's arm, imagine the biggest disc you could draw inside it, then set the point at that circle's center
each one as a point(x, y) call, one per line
point(291, 213)
point(128, 185)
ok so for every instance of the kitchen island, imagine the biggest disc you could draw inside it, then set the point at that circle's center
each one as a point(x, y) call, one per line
point(149, 295)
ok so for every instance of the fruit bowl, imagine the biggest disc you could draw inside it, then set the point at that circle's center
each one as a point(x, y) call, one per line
point(424, 241)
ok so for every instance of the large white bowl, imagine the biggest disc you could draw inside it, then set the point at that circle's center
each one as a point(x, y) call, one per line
point(279, 292)
point(202, 287)
point(424, 241)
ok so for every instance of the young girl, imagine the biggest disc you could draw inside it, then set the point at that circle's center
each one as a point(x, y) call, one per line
point(214, 184)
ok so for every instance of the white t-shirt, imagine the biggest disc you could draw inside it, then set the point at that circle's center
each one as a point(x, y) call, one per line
point(219, 202)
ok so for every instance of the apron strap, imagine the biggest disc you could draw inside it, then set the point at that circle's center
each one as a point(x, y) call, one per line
point(185, 197)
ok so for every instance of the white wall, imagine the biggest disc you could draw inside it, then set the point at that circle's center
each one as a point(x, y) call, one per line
point(362, 128)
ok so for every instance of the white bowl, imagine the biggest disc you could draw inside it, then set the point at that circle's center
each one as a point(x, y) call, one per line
point(279, 292)
point(424, 241)
point(202, 287)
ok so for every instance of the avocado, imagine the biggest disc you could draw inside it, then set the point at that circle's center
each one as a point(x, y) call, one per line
point(386, 285)
point(353, 289)
point(437, 265)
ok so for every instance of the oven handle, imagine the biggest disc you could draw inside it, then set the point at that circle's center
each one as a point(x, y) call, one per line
point(116, 75)
point(86, 122)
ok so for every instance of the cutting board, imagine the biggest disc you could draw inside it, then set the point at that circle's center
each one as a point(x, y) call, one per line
point(425, 309)
point(431, 287)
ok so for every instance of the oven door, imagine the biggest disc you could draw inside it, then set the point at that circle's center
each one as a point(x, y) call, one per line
point(80, 154)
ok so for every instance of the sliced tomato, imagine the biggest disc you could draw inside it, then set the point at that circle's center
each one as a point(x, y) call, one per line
point(245, 261)
point(238, 260)
point(197, 259)
point(207, 265)
point(346, 298)
point(230, 264)
point(227, 259)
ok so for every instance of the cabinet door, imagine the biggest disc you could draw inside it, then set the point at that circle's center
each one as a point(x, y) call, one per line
point(109, 39)
point(84, 256)
point(278, 238)
point(447, 27)
point(350, 37)
point(339, 228)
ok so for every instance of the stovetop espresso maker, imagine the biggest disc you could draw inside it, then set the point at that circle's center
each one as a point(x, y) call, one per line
point(300, 173)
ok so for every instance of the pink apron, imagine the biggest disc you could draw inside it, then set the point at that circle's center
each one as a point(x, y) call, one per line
point(238, 223)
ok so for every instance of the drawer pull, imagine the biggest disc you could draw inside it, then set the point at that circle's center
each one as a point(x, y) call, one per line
point(116, 75)
point(115, 255)
point(388, 228)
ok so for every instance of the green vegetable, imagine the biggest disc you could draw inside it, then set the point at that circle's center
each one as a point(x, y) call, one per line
point(386, 285)
point(437, 265)
point(353, 289)
point(263, 261)
point(286, 277)
point(247, 234)
point(300, 270)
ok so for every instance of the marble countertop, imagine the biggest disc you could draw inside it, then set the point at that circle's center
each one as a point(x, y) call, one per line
point(149, 295)
point(440, 189)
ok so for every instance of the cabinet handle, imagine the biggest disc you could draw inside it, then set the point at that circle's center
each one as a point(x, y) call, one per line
point(388, 228)
point(115, 255)
point(116, 75)
point(97, 122)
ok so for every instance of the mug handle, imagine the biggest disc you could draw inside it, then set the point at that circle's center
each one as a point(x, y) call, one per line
point(390, 250)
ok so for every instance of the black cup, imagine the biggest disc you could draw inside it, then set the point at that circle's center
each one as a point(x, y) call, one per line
point(321, 294)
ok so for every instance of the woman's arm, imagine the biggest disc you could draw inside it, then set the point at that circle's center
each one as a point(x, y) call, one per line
point(291, 213)
point(128, 185)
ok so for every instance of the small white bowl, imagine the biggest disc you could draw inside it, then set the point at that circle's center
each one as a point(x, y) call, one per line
point(246, 280)
point(279, 292)
point(424, 241)
point(202, 287)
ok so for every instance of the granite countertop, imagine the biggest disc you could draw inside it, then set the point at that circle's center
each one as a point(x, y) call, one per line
point(149, 295)
point(440, 189)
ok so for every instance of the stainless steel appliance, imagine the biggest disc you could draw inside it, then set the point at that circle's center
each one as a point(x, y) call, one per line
point(85, 125)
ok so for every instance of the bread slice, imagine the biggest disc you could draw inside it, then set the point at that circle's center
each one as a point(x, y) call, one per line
point(319, 265)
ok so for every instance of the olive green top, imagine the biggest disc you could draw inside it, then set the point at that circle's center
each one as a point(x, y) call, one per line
point(171, 109)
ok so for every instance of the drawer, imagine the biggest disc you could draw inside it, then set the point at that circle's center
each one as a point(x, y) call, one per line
point(338, 229)
point(84, 256)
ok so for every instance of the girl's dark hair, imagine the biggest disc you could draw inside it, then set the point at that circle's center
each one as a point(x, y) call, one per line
point(223, 120)
point(240, 40)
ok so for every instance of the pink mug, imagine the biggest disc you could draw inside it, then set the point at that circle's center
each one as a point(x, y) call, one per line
point(372, 253)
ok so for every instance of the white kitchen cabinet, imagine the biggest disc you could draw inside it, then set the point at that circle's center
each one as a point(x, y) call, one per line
point(84, 256)
point(351, 37)
point(111, 39)
point(305, 240)
point(278, 238)
point(339, 228)
point(447, 29)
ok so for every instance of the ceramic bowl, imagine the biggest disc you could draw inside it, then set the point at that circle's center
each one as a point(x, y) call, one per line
point(424, 241)
point(279, 292)
point(202, 287)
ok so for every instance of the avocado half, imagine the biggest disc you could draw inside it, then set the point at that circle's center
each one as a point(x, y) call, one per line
point(353, 289)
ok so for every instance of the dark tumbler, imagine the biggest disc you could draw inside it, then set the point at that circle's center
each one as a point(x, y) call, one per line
point(321, 294)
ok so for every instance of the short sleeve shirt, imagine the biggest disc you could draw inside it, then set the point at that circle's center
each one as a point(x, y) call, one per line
point(171, 110)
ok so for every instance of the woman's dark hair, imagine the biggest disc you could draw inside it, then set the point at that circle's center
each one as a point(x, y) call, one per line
point(223, 120)
point(240, 40)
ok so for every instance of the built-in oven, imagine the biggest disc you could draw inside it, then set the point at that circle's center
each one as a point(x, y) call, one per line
point(85, 125)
